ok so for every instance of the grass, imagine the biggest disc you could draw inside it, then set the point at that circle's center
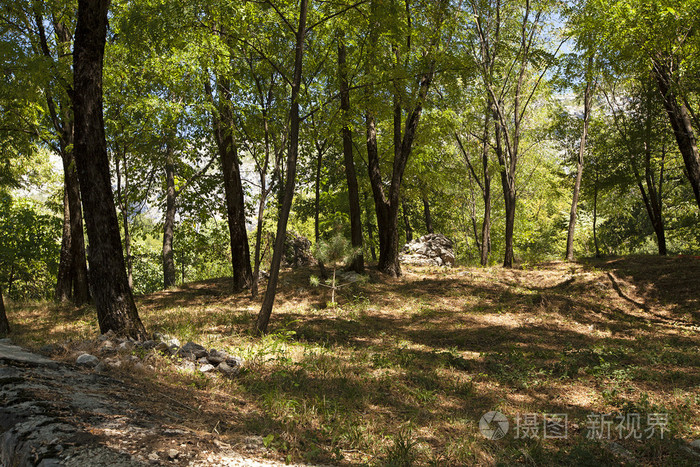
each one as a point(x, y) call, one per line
point(400, 372)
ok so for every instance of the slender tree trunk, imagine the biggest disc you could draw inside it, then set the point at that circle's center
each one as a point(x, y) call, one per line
point(682, 128)
point(370, 235)
point(428, 217)
point(406, 221)
point(116, 310)
point(258, 240)
point(168, 256)
point(358, 263)
point(485, 247)
point(81, 288)
point(579, 172)
point(317, 196)
point(317, 205)
point(121, 201)
point(64, 277)
point(509, 196)
point(269, 300)
point(4, 324)
point(233, 187)
point(595, 215)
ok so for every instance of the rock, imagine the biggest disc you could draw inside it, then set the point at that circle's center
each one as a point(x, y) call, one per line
point(695, 444)
point(348, 276)
point(173, 453)
point(139, 367)
point(149, 344)
point(429, 250)
point(87, 360)
point(126, 345)
point(192, 350)
point(297, 250)
point(215, 357)
point(173, 342)
point(228, 370)
point(206, 368)
point(161, 347)
point(153, 456)
point(188, 366)
point(203, 360)
point(100, 367)
point(106, 336)
point(107, 347)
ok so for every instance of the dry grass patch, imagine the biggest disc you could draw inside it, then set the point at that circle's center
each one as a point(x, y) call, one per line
point(401, 371)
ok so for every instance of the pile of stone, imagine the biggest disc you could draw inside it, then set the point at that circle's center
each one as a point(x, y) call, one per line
point(429, 250)
point(191, 357)
point(297, 250)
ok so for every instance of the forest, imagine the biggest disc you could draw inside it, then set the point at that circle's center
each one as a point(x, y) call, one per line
point(253, 176)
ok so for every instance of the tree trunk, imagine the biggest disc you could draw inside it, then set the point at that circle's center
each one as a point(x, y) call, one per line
point(121, 201)
point(406, 221)
point(317, 196)
point(116, 310)
point(486, 188)
point(579, 172)
point(168, 256)
point(682, 128)
point(595, 215)
point(64, 277)
point(358, 263)
point(428, 217)
point(370, 235)
point(509, 197)
point(269, 300)
point(4, 324)
point(81, 289)
point(233, 187)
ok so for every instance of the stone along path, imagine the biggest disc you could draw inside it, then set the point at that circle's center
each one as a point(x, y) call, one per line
point(52, 413)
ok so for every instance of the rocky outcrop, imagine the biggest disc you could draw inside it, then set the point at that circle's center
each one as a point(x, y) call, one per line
point(297, 250)
point(429, 250)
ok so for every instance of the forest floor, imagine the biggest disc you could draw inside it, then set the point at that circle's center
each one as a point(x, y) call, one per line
point(590, 363)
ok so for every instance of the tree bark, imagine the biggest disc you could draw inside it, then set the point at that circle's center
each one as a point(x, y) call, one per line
point(370, 235)
point(595, 215)
point(682, 127)
point(579, 172)
point(233, 187)
point(4, 324)
point(269, 299)
point(510, 200)
point(64, 277)
point(168, 257)
point(428, 217)
point(358, 263)
point(122, 202)
point(115, 305)
point(406, 221)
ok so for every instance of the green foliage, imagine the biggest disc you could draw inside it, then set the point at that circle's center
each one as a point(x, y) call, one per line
point(29, 248)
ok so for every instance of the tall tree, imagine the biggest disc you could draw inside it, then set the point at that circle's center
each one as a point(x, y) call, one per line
point(4, 324)
point(517, 27)
point(353, 189)
point(292, 152)
point(587, 97)
point(114, 301)
point(387, 204)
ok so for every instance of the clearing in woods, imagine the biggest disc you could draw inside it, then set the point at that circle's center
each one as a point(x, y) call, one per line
point(402, 370)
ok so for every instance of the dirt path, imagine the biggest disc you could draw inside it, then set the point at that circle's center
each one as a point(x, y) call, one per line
point(52, 413)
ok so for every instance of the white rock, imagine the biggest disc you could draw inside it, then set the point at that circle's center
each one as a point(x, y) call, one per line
point(207, 368)
point(87, 360)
